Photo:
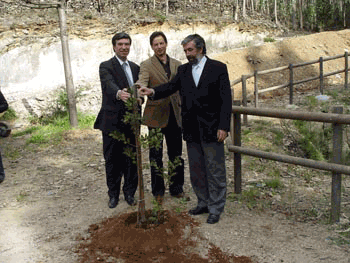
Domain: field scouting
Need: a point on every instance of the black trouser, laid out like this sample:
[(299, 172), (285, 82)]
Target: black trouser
[(119, 164), (2, 172), (173, 138)]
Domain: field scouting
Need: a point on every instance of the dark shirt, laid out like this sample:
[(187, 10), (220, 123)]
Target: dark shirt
[(166, 66), (3, 103)]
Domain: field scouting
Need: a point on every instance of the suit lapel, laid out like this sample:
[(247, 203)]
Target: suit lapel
[(190, 75), (159, 68), (205, 72), (119, 73), (133, 71), (173, 70)]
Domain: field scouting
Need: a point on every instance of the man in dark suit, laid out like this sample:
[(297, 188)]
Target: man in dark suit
[(164, 114), (116, 75), (205, 92), (3, 107)]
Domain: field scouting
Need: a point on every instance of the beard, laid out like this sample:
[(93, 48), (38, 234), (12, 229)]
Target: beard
[(192, 60)]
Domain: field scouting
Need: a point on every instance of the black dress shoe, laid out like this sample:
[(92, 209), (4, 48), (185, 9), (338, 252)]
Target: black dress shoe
[(130, 200), (212, 219), (113, 202), (198, 211)]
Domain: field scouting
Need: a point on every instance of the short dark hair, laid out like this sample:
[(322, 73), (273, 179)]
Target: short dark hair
[(157, 34), (198, 41), (119, 36)]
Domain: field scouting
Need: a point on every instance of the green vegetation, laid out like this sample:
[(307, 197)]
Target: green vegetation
[(9, 115), (343, 237), (21, 196), (269, 39), (49, 128), (12, 153), (88, 15), (274, 183), (301, 193), (160, 18)]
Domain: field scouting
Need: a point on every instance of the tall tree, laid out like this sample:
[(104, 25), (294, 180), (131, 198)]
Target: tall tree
[(60, 6), (275, 11), (166, 7), (244, 10)]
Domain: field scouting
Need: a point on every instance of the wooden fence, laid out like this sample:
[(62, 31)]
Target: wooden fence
[(336, 118), (291, 82)]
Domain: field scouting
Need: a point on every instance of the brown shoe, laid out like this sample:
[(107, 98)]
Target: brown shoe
[(182, 195), (159, 199)]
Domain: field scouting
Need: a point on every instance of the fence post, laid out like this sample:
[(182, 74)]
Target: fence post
[(291, 79), (336, 177), (321, 75), (346, 68), (237, 159), (244, 95), (256, 92)]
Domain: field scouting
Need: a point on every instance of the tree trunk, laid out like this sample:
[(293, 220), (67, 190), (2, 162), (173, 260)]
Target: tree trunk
[(73, 116), (294, 12), (236, 10), (344, 14), (301, 14), (276, 18), (166, 7), (244, 12)]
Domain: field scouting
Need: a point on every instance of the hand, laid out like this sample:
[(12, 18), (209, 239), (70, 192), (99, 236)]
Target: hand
[(140, 101), (124, 95), (144, 91), (222, 135)]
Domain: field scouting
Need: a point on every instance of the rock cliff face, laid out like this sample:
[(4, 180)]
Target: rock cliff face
[(38, 29)]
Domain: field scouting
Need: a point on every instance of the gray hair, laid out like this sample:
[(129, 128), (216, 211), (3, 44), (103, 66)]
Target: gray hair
[(198, 41)]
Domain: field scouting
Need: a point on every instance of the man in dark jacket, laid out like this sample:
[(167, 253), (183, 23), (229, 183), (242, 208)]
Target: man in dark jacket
[(3, 107), (116, 75), (206, 98)]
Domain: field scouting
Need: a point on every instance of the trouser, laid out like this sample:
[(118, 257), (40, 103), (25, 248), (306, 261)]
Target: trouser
[(173, 138), (208, 174), (119, 164)]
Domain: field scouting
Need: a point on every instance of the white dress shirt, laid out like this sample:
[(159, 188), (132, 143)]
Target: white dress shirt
[(197, 69)]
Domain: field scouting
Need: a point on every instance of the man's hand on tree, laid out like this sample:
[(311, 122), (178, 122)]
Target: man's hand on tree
[(144, 91), (124, 95)]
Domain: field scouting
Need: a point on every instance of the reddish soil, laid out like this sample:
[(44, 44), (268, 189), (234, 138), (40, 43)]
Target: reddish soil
[(161, 239)]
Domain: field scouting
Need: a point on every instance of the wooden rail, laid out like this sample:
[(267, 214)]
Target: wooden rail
[(291, 82), (336, 118)]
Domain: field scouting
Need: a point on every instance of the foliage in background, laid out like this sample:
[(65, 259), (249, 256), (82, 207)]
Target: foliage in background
[(314, 15)]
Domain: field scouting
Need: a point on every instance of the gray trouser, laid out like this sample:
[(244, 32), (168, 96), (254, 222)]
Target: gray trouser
[(208, 174)]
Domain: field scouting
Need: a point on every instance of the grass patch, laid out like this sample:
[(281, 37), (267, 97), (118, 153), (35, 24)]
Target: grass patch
[(50, 129), (269, 39), (274, 183), (9, 114), (22, 196), (249, 197), (12, 153), (28, 130)]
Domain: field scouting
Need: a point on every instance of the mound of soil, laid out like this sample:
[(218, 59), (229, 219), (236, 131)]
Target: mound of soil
[(166, 237)]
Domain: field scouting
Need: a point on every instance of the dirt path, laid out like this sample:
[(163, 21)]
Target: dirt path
[(52, 195)]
